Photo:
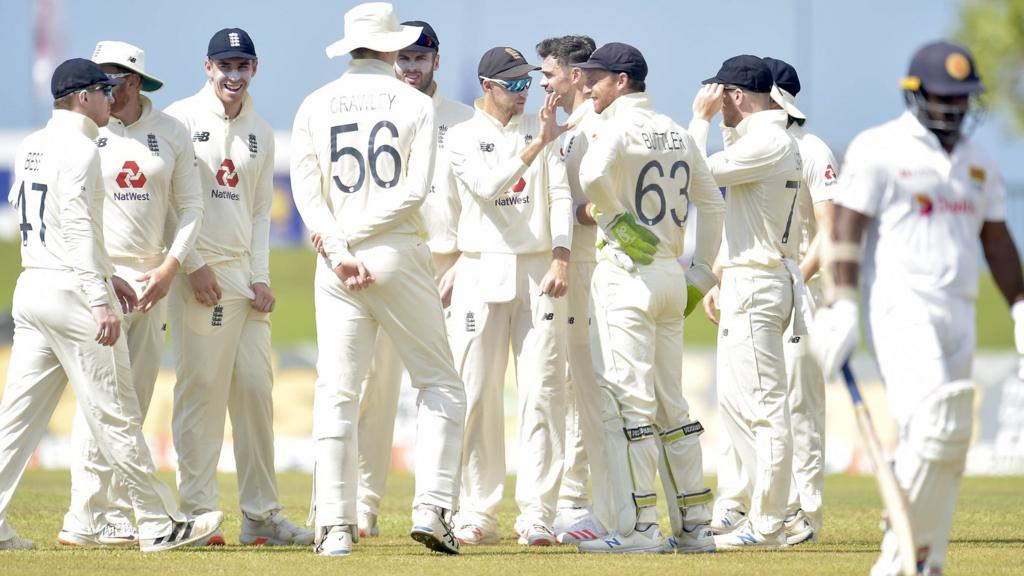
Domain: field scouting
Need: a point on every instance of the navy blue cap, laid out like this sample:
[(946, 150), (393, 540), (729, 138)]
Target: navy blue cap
[(745, 71), (944, 69), (504, 63), (784, 74), (78, 74), (231, 43), (618, 57), (427, 42)]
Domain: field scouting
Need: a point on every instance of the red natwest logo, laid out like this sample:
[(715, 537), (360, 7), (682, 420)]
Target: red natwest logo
[(520, 186), (130, 176), (227, 176), (830, 174)]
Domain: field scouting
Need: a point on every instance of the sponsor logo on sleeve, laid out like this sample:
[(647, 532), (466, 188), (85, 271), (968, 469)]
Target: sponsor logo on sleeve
[(830, 175)]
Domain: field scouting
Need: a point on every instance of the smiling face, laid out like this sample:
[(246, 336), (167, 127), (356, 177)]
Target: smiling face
[(602, 87), (416, 68), (556, 79), (230, 78), (506, 102)]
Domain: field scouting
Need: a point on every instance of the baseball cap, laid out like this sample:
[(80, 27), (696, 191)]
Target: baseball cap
[(944, 69), (78, 74), (231, 43), (373, 25), (131, 58), (503, 62), (427, 42), (618, 57), (788, 82), (746, 71)]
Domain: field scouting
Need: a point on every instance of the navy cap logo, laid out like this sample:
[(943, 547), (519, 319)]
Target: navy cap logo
[(233, 40)]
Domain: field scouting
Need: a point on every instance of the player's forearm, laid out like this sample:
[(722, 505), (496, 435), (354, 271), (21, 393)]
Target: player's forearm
[(846, 252), (1003, 260), (189, 222), (485, 182), (560, 215), (738, 165), (699, 129)]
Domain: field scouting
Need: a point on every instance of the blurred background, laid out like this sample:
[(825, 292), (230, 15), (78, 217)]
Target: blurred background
[(850, 57)]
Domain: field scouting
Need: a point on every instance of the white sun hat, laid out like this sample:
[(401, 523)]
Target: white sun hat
[(373, 25), (128, 57)]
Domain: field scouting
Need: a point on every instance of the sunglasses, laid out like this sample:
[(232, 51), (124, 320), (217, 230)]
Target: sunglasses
[(512, 85), (108, 91), (118, 75)]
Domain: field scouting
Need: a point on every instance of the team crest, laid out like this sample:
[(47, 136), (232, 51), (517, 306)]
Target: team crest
[(958, 66)]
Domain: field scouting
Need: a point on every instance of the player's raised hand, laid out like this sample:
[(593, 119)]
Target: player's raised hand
[(354, 274), (125, 294), (205, 286), (708, 101), (158, 283), (263, 300), (108, 325), (550, 129)]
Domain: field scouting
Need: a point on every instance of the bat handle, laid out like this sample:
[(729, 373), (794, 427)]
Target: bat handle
[(851, 383)]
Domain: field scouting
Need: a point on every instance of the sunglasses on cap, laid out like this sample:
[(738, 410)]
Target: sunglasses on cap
[(512, 85)]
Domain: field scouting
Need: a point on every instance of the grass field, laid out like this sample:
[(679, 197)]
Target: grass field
[(291, 271), (988, 538)]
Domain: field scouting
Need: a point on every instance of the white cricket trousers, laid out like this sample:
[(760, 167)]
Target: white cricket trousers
[(925, 349), (807, 421), (403, 302), (584, 436), (222, 360), (756, 305), (54, 344), (637, 337), (98, 497), (481, 332)]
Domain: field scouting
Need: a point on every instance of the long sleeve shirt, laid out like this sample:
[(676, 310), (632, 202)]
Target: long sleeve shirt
[(441, 208), (149, 168), (363, 158), (583, 124), (236, 171), (58, 194), (508, 207)]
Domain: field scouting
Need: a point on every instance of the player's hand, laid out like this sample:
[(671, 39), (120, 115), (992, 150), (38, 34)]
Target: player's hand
[(556, 281), (711, 305), (550, 129), (205, 286), (693, 298), (708, 101), (158, 283), (125, 294), (354, 274), (108, 324), (1017, 313), (834, 335), (264, 300), (634, 239), (445, 286), (318, 243)]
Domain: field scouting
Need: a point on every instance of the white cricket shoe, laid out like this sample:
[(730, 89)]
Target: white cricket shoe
[(119, 534), (799, 529), (649, 541), (16, 543), (747, 537), (276, 530), (432, 527), (575, 525), (694, 539), (194, 529), (473, 535), (336, 541), (728, 521), (368, 525), (537, 535)]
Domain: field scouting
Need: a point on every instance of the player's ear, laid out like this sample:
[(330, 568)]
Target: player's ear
[(437, 60), (254, 64), (208, 66)]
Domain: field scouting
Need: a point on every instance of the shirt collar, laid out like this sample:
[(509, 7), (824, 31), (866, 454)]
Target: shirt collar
[(764, 118), (909, 122), (75, 121), (627, 101), (370, 66), (147, 109), (580, 112)]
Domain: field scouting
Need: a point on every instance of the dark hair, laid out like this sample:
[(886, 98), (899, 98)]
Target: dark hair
[(567, 50), (636, 85)]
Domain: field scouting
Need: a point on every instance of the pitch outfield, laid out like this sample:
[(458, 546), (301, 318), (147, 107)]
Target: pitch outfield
[(987, 540)]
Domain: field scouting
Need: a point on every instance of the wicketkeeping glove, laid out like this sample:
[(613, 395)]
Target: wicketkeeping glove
[(834, 335), (634, 239)]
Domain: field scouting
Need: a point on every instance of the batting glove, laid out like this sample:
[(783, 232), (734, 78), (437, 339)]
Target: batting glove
[(1017, 313), (635, 240), (834, 335)]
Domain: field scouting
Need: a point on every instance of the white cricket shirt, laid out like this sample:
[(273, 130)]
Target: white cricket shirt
[(583, 123), (817, 185), (441, 207), (927, 206)]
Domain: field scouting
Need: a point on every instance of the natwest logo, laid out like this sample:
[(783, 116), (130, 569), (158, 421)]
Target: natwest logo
[(227, 176), (130, 176)]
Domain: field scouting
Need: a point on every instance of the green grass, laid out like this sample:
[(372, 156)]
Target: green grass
[(987, 539), (291, 271)]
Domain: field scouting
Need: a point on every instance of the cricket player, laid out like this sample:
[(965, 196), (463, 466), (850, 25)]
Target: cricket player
[(760, 289), (638, 308), (148, 171), (919, 193), (220, 307), (67, 317), (378, 404), (363, 149), (806, 384), (514, 232), (578, 517)]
